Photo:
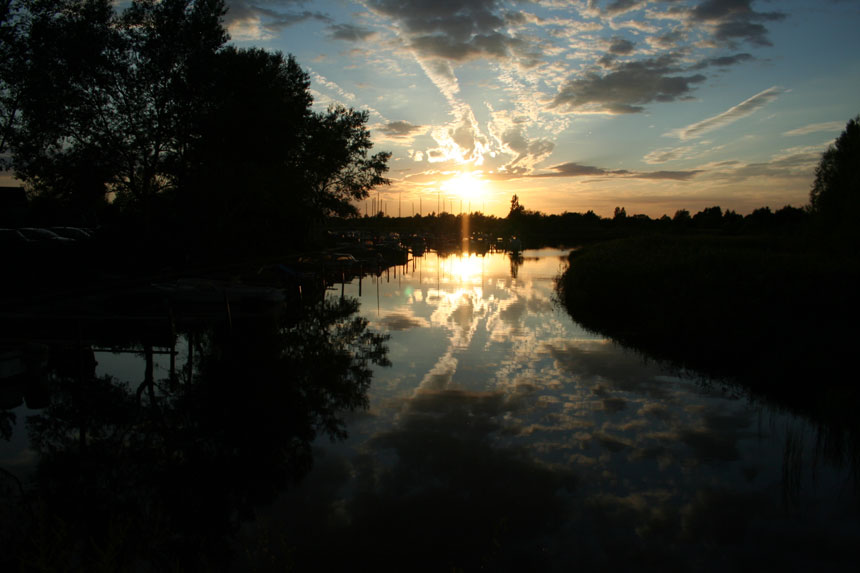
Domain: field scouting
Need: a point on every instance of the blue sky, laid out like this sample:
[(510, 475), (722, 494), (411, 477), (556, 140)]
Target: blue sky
[(652, 105)]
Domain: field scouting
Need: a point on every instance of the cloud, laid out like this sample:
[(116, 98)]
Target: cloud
[(724, 61), (319, 80), (461, 141), (672, 175), (402, 321), (614, 8), (450, 48), (816, 127), (694, 150), (527, 152), (442, 461), (349, 33), (717, 436), (734, 20), (731, 115), (621, 46), (262, 20), (627, 87), (669, 40), (400, 129), (666, 154), (455, 30), (578, 170), (796, 163)]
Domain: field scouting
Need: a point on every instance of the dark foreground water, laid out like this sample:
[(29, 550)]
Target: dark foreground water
[(501, 437)]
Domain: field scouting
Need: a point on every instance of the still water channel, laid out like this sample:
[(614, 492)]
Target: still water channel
[(505, 437)]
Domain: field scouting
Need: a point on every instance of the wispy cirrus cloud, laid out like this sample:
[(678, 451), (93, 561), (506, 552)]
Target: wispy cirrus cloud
[(816, 128), (731, 115), (798, 163), (694, 151)]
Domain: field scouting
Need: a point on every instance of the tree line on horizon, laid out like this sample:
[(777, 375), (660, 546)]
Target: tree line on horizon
[(147, 118), (537, 228), (829, 219)]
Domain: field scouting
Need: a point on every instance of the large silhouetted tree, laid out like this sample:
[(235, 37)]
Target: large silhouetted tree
[(10, 37), (265, 156), (242, 165), (835, 195), (151, 105), (56, 50), (108, 99)]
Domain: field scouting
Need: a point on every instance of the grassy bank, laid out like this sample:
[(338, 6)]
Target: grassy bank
[(767, 312)]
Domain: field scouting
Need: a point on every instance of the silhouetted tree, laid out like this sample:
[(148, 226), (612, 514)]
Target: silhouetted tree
[(790, 216), (243, 165), (682, 219), (835, 196), (265, 165), (59, 68), (732, 220), (167, 47), (709, 218), (335, 162), (10, 69), (516, 208), (151, 105), (106, 100)]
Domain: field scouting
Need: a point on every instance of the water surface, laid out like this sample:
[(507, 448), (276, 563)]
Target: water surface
[(502, 437)]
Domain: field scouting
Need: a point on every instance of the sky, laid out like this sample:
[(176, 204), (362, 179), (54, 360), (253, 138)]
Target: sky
[(577, 105), (580, 105)]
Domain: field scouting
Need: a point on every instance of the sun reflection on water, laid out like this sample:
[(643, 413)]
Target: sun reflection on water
[(485, 358), (464, 268)]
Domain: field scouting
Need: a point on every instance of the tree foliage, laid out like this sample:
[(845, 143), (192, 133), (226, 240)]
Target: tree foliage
[(9, 69), (153, 106), (516, 209), (835, 195), (337, 168)]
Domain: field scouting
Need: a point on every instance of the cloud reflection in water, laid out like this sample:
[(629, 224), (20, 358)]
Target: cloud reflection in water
[(515, 439)]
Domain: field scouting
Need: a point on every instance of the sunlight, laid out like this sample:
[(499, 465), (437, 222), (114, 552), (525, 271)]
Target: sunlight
[(466, 186), (468, 269)]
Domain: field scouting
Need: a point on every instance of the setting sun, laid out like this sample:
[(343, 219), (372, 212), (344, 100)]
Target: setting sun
[(466, 186)]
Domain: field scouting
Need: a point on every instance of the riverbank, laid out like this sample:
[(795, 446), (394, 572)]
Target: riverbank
[(767, 312)]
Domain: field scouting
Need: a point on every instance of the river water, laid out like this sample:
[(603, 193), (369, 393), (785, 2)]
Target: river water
[(502, 437), (505, 436)]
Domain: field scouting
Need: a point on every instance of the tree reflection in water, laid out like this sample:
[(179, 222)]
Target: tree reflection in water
[(159, 477)]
